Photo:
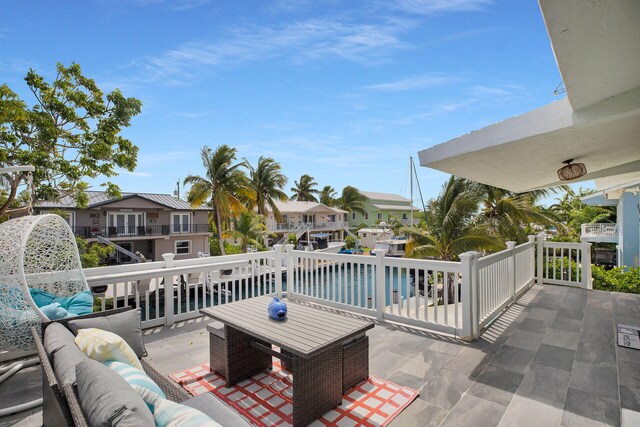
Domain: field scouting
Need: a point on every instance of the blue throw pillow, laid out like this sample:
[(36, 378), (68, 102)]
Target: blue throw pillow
[(76, 305), (139, 381), (54, 312)]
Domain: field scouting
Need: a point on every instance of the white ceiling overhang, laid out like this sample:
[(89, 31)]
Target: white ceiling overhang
[(597, 47)]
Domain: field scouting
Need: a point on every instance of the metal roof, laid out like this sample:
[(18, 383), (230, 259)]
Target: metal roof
[(394, 207), (297, 206), (100, 198), (384, 196)]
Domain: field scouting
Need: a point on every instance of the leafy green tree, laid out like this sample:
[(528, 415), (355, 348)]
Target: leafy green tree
[(508, 214), (92, 255), (71, 133), (328, 195), (451, 230), (349, 242), (352, 200), (249, 229), (221, 186), (573, 212), (304, 190), (266, 182)]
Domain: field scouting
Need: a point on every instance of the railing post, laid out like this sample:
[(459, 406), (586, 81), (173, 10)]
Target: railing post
[(540, 256), (168, 290), (470, 316), (277, 267), (532, 258), (511, 269), (586, 264), (380, 284), (289, 256)]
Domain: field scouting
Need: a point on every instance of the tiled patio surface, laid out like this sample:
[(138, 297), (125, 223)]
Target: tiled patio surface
[(550, 360)]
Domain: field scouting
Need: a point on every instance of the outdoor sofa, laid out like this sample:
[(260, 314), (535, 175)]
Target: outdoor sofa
[(62, 405)]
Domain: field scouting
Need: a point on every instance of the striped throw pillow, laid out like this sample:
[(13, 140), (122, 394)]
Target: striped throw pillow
[(104, 346), (139, 381), (172, 414)]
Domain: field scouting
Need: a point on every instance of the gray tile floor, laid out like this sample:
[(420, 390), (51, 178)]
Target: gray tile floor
[(549, 360)]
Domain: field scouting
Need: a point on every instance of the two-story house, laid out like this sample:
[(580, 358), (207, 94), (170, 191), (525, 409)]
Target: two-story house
[(151, 224), (383, 206), (625, 233), (307, 220)]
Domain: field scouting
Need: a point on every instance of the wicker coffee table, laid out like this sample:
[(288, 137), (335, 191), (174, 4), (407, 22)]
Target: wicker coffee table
[(313, 342)]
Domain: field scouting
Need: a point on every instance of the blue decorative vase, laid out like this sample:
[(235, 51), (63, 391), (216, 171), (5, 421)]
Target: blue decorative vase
[(277, 309)]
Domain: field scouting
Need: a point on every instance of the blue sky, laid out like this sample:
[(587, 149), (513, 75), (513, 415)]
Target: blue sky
[(345, 90)]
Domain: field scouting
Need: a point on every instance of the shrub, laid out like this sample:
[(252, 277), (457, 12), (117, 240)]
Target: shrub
[(291, 239), (349, 242), (617, 279), (561, 269)]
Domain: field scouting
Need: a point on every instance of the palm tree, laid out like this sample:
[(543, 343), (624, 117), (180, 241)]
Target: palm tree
[(248, 228), (506, 212), (266, 182), (451, 230), (328, 195), (303, 190), (221, 186), (352, 200)]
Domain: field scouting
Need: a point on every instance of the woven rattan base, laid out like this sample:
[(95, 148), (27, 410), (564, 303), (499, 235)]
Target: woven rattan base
[(355, 362)]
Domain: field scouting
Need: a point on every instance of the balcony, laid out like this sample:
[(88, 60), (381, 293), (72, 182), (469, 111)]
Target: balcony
[(140, 231), (312, 226), (600, 232)]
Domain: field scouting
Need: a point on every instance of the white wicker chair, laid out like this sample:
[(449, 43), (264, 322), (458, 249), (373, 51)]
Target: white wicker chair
[(35, 252)]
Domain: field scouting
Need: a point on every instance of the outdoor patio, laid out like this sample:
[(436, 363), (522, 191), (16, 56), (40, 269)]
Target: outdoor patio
[(551, 359)]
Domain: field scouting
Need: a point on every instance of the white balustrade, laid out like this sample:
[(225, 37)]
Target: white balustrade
[(599, 230), (460, 298)]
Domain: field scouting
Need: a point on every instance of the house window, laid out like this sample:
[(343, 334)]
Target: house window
[(285, 219), (353, 216), (366, 216), (404, 216), (183, 247), (181, 222), (379, 215), (332, 218)]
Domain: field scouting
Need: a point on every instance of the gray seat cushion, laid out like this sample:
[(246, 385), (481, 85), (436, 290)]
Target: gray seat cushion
[(210, 405), (65, 354), (126, 325), (106, 398), (216, 328)]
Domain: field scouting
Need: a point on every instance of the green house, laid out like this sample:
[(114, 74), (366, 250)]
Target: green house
[(381, 207)]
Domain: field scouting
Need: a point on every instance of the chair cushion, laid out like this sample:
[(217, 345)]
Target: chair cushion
[(216, 328), (210, 405), (139, 381), (104, 346), (60, 346), (126, 325), (107, 400), (75, 305), (172, 414)]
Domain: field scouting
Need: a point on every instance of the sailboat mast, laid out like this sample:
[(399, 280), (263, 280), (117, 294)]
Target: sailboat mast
[(411, 185)]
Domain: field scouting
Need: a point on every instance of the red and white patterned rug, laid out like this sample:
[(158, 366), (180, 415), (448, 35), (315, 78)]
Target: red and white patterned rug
[(265, 399)]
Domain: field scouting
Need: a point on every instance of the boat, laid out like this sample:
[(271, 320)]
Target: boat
[(394, 247)]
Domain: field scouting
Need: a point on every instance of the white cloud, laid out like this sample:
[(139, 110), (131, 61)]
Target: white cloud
[(138, 174), (420, 82), (314, 39), (426, 7)]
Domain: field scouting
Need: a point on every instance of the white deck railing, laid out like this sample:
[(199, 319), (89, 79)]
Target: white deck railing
[(460, 298), (599, 230)]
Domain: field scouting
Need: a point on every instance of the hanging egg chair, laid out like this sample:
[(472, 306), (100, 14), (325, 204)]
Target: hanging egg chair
[(40, 277)]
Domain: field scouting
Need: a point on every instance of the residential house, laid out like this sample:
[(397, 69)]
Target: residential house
[(304, 219), (152, 224), (381, 207), (625, 233)]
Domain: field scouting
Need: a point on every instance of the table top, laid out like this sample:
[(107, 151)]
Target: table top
[(305, 332)]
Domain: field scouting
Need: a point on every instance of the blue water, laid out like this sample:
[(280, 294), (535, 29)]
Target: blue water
[(341, 292)]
